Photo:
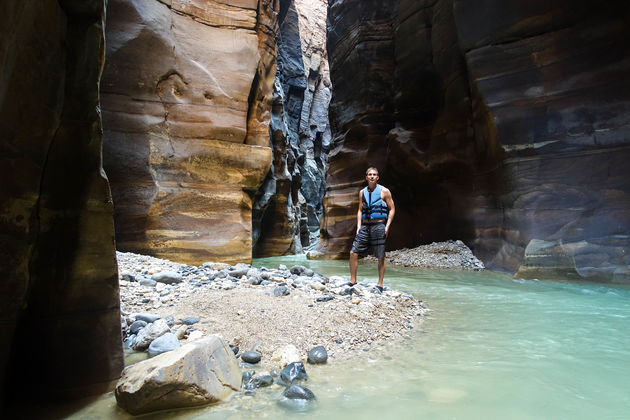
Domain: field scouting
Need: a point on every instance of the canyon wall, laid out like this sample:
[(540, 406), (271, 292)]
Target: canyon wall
[(288, 207), (59, 311), (187, 92), (502, 124)]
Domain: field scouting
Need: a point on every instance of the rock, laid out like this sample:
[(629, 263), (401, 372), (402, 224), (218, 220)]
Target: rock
[(238, 273), (191, 320), (297, 269), (308, 272), (147, 282), (167, 277), (324, 299), (317, 355), (164, 343), (137, 326), (150, 333), (251, 357), (280, 291), (315, 285), (235, 349), (195, 374), (180, 333), (215, 266), (148, 318), (128, 277), (195, 335), (293, 372), (297, 392), (285, 355)]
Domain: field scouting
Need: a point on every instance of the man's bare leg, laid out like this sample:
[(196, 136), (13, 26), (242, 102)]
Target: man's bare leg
[(381, 271), (354, 263)]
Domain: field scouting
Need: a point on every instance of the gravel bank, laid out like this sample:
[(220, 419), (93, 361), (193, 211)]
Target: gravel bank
[(437, 255), (265, 308)]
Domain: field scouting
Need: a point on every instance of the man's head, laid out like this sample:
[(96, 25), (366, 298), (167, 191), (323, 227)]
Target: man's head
[(371, 175)]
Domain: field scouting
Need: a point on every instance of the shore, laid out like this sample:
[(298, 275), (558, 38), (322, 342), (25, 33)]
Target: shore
[(447, 255), (265, 309)]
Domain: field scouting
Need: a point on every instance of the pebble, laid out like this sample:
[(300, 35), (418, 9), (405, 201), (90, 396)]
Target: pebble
[(251, 357)]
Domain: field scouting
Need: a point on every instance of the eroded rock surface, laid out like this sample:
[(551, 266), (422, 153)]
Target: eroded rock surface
[(187, 92)]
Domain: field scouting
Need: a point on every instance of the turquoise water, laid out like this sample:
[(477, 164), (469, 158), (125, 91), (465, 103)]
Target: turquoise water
[(491, 348)]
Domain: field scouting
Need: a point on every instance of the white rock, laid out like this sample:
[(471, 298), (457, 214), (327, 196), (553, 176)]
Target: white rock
[(285, 355), (198, 373), (195, 335)]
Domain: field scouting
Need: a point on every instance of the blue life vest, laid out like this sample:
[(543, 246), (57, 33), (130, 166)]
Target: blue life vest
[(372, 205)]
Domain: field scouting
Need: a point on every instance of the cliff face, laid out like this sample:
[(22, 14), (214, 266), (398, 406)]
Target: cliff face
[(503, 124), (187, 92), (289, 204), (59, 306), (553, 98)]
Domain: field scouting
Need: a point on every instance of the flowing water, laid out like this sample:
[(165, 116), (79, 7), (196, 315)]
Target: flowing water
[(491, 348)]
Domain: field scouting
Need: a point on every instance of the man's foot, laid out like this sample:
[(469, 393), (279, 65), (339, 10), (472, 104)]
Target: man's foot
[(379, 288), (350, 284)]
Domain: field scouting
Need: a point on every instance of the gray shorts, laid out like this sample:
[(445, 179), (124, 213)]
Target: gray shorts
[(371, 237)]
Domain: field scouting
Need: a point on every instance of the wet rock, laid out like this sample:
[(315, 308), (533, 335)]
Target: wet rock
[(293, 372), (235, 349), (251, 357), (195, 374), (297, 392), (167, 277), (164, 343), (317, 355)]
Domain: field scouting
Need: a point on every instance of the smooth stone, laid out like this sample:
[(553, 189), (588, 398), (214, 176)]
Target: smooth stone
[(148, 318), (317, 355), (297, 392), (147, 282), (164, 343), (150, 333), (137, 326), (308, 272), (128, 277), (195, 335), (251, 357), (238, 273), (168, 277), (280, 291), (191, 320), (324, 299), (297, 269), (293, 372), (235, 349)]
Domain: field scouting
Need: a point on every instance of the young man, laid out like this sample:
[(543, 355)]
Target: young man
[(375, 215)]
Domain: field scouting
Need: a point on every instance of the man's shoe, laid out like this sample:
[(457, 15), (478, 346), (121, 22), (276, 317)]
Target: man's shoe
[(350, 284), (379, 288)]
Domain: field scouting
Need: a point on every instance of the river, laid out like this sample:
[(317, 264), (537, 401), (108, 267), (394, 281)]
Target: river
[(491, 348)]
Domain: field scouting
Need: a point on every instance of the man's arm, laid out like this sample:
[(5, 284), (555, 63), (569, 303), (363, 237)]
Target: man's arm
[(387, 196), (359, 212)]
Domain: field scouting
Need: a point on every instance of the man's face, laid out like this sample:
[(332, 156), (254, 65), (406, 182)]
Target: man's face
[(372, 176)]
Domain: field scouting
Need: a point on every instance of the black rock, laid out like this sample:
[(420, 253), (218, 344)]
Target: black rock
[(317, 355), (191, 320), (234, 349), (339, 341), (137, 326), (324, 299), (297, 392), (293, 372), (254, 382), (247, 375), (148, 318), (251, 357)]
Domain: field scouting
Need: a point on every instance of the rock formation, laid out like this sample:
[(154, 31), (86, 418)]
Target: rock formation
[(187, 92), (59, 305), (289, 204), (503, 126)]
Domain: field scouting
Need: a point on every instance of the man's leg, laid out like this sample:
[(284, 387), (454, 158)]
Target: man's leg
[(381, 271), (354, 263)]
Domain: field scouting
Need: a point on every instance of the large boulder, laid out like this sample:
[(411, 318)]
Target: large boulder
[(195, 374)]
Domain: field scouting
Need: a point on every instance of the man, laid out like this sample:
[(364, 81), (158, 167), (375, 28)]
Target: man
[(375, 215)]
